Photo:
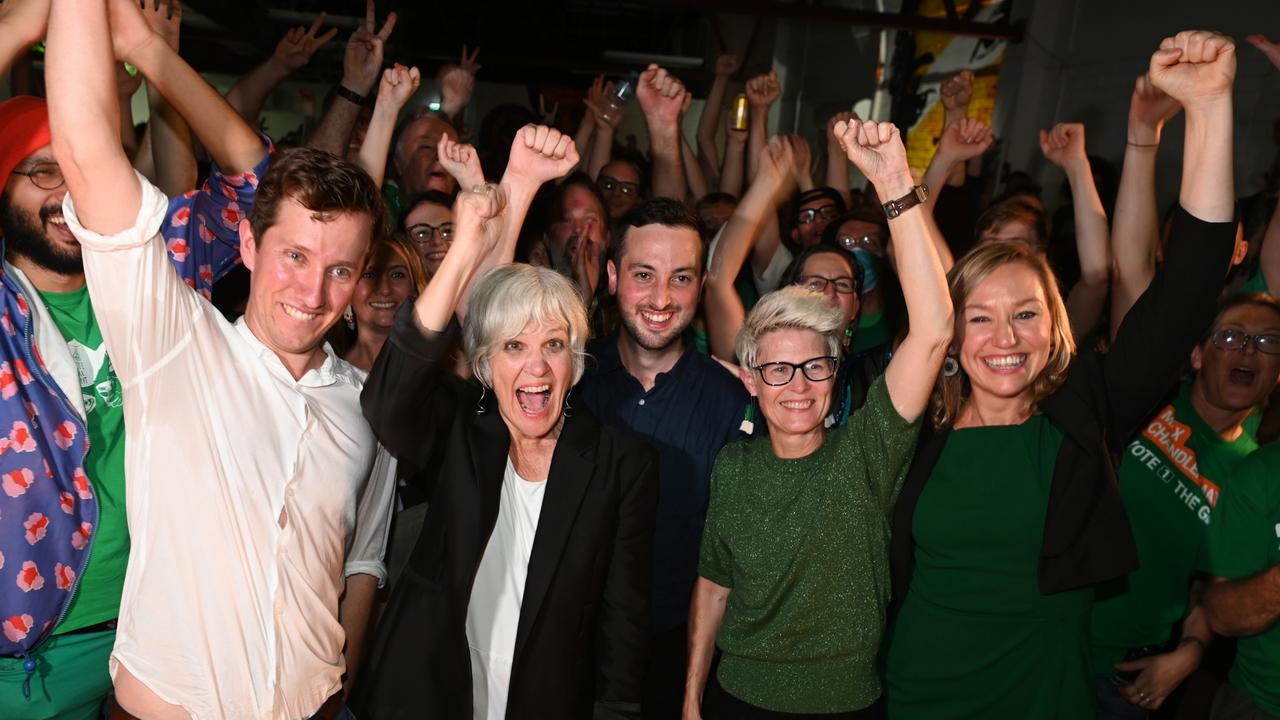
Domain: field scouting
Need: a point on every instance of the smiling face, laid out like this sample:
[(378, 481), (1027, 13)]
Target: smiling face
[(304, 274), (383, 287), (657, 281), (1237, 380), (432, 250), (832, 268), (416, 162), (1005, 333), (31, 217), (619, 182), (799, 407), (531, 374)]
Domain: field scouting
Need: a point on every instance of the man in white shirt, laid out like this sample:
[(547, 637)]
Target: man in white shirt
[(257, 527)]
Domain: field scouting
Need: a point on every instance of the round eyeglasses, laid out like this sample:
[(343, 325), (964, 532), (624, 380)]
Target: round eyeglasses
[(46, 176)]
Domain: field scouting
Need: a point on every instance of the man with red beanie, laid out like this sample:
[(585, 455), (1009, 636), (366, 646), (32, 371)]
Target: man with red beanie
[(61, 417)]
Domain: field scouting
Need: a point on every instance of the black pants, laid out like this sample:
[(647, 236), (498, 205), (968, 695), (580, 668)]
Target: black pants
[(720, 705)]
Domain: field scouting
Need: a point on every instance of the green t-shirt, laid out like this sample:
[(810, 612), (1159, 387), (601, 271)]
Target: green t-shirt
[(1171, 477), (873, 331), (1245, 540), (1257, 283), (804, 546), (98, 593)]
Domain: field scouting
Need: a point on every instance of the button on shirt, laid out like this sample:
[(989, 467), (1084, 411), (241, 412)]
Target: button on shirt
[(250, 495), (693, 410)]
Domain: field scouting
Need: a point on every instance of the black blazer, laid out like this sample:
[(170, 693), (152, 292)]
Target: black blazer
[(581, 641), (1106, 397)]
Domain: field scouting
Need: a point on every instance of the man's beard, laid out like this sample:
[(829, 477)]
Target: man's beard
[(632, 324), (25, 236)]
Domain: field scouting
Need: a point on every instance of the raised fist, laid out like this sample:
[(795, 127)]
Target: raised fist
[(1194, 67), (965, 139), (845, 117), (876, 149), (776, 169), (727, 64), (476, 214), (660, 95), (1064, 145), (957, 91), (461, 161), (539, 154), (399, 83), (1150, 106), (802, 160), (764, 90)]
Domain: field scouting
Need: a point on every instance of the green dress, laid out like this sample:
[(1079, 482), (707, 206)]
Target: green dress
[(975, 638)]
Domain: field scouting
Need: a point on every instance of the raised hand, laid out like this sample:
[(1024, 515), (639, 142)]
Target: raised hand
[(845, 117), (584, 254), (477, 225), (1268, 48), (776, 171), (876, 149), (130, 31), (1150, 107), (25, 19), (399, 83), (965, 139), (597, 102), (363, 57), (957, 91), (538, 154), (801, 161), (298, 45), (764, 90), (1063, 145), (1195, 67), (458, 82), (165, 19), (660, 95), (461, 161), (727, 64)]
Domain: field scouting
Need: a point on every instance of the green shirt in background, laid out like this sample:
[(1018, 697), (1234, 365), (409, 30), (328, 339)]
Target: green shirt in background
[(1170, 478), (98, 593), (1244, 540), (873, 331), (803, 544)]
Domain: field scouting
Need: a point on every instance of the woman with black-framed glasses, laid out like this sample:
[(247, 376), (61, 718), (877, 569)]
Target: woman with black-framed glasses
[(794, 570)]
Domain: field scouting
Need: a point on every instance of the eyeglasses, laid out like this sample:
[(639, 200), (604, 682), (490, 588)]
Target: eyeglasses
[(874, 243), (46, 176), (815, 369), (609, 184), (1237, 339), (818, 284), (811, 215), (422, 233)]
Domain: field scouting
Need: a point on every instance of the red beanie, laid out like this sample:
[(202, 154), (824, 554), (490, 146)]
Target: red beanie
[(24, 129)]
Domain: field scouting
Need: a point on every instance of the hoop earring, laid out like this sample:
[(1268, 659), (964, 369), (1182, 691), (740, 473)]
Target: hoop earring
[(950, 366), (567, 410), (480, 402)]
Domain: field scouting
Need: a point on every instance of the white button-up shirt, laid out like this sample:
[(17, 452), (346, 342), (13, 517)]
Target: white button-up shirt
[(226, 613)]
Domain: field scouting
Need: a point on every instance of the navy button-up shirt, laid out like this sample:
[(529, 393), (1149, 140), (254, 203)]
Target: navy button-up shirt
[(692, 411)]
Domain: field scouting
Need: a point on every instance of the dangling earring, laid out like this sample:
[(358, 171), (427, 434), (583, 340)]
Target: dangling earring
[(349, 317), (567, 411), (848, 337), (950, 366), (480, 402)]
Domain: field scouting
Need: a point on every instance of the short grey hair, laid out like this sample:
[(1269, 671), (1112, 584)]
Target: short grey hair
[(510, 297), (792, 307)]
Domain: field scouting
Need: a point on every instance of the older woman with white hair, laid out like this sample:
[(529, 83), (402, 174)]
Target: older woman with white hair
[(794, 573), (526, 594)]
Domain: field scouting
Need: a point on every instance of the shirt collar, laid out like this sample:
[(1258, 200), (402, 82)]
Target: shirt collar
[(608, 359), (322, 376)]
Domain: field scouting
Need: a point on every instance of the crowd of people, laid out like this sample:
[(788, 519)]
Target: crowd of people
[(515, 421)]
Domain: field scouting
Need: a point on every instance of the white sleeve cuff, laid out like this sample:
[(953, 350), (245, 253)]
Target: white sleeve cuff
[(376, 569), (146, 226)]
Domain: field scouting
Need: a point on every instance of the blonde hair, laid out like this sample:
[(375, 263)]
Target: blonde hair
[(791, 307), (510, 298), (951, 392)]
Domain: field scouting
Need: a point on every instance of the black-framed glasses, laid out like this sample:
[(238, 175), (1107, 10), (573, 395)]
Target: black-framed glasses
[(819, 283), (815, 369), (46, 176), (872, 243), (422, 233), (1230, 339), (811, 215), (608, 183)]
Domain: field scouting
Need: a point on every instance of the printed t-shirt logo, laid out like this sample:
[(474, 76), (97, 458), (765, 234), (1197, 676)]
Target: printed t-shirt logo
[(1171, 436)]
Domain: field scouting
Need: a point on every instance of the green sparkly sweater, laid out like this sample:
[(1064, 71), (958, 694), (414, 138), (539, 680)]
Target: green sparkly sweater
[(803, 544)]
